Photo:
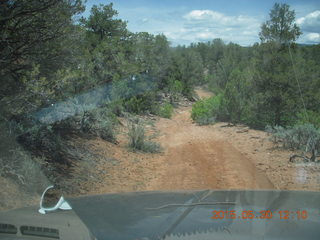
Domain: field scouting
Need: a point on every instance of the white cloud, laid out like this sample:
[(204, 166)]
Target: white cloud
[(183, 27), (203, 15), (205, 25), (310, 22), (209, 16), (310, 26), (309, 38), (315, 37)]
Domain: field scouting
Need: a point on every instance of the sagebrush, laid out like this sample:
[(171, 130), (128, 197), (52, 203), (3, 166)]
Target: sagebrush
[(305, 138), (138, 140)]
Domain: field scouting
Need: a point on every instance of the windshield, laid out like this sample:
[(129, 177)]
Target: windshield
[(99, 97)]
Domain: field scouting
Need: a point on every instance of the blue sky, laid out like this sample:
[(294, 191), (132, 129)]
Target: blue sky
[(186, 21)]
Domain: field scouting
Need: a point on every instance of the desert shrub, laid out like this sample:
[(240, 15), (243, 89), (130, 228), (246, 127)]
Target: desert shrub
[(207, 110), (117, 108), (24, 169), (151, 147), (105, 129), (51, 142), (144, 103), (136, 136), (300, 137), (138, 140), (175, 89), (309, 117), (165, 110), (135, 105), (100, 122), (44, 140)]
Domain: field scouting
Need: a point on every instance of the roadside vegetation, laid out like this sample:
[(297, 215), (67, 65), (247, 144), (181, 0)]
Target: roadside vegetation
[(207, 111), (166, 110), (275, 83), (75, 76), (138, 141), (305, 138)]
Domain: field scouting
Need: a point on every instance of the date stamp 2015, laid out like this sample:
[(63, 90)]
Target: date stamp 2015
[(265, 214)]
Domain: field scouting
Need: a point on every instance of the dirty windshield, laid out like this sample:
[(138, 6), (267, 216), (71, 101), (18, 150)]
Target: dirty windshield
[(101, 97)]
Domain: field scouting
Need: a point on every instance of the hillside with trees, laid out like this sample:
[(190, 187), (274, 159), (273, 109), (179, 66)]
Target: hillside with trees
[(273, 85)]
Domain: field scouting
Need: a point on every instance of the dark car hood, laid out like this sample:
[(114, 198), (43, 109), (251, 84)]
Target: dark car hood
[(188, 215)]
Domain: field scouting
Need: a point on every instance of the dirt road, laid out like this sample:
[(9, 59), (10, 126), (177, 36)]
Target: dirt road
[(197, 158)]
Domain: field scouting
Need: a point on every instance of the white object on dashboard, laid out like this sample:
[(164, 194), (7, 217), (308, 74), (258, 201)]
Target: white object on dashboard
[(61, 204)]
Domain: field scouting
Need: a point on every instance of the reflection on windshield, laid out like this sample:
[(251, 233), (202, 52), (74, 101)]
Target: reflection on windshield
[(210, 100)]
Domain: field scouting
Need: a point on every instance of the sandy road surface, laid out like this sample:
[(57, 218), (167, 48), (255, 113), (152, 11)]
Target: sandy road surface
[(197, 158)]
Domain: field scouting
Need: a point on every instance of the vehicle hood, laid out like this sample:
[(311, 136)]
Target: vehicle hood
[(188, 215)]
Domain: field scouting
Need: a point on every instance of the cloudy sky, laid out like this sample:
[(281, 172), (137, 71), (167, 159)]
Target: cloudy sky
[(186, 21)]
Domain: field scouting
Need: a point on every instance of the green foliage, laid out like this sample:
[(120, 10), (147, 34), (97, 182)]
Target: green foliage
[(138, 140), (135, 105), (28, 27), (281, 27), (236, 96), (300, 137), (206, 111), (101, 22), (192, 72), (49, 141), (165, 110), (99, 122), (275, 80), (308, 117), (46, 141), (136, 95), (187, 68), (175, 90), (141, 104), (152, 53), (269, 83)]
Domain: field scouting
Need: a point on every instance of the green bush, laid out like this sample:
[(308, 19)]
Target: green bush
[(137, 139), (143, 103), (117, 108), (309, 117), (135, 105), (300, 137), (99, 122), (206, 111), (175, 89), (165, 111)]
